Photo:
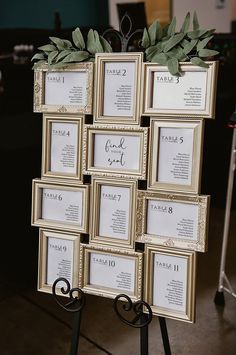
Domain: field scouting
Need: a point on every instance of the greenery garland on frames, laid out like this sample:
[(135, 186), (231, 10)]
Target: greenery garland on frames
[(161, 45)]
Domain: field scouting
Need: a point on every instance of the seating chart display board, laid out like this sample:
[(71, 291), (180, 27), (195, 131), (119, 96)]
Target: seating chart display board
[(118, 204)]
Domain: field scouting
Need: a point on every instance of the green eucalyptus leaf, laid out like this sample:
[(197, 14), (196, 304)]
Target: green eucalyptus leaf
[(198, 61), (58, 42), (207, 53), (78, 38), (189, 47), (38, 56), (52, 56), (196, 34), (93, 42), (155, 32), (165, 30), (173, 66), (48, 48), (186, 23), (171, 27), (98, 43), (105, 45), (202, 44), (39, 64), (151, 51), (63, 54), (160, 58), (173, 41), (79, 56), (208, 33), (195, 21), (145, 39), (184, 42), (177, 53)]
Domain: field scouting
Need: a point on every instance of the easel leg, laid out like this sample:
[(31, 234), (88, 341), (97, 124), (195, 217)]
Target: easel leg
[(164, 335), (144, 336), (75, 333)]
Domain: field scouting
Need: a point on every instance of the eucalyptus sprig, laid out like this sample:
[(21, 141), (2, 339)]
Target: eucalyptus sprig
[(60, 52), (168, 47)]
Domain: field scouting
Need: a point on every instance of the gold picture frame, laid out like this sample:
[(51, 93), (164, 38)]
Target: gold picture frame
[(117, 88), (173, 220), (170, 278), (60, 205), (115, 151), (113, 212), (58, 257), (190, 95), (58, 91), (175, 155), (100, 275), (62, 153)]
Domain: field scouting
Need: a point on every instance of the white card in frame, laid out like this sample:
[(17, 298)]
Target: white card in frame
[(170, 278), (175, 157), (58, 257), (117, 87), (60, 206), (65, 90), (113, 212), (173, 220), (107, 271), (192, 94), (62, 140), (116, 151)]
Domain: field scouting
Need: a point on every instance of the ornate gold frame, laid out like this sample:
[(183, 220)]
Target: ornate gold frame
[(171, 241), (39, 89), (95, 212), (209, 112), (88, 150), (156, 125), (191, 256), (36, 219), (48, 119), (86, 250), (43, 253), (100, 60)]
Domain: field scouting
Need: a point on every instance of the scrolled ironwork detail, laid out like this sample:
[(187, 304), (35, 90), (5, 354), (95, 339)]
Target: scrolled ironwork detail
[(139, 321), (76, 303), (123, 36)]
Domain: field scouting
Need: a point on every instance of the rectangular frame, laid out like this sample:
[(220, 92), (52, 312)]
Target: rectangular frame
[(110, 292), (69, 211), (174, 287), (191, 94), (116, 156), (122, 58), (44, 234), (39, 89), (186, 227), (179, 169), (118, 219), (48, 120)]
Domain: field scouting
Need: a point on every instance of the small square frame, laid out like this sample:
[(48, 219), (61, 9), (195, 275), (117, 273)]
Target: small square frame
[(202, 203), (90, 132), (40, 84), (48, 121), (97, 184), (154, 146), (36, 217), (101, 59), (189, 95), (44, 234), (109, 292), (188, 315)]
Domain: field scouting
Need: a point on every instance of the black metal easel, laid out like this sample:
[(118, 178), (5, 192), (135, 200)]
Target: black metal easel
[(75, 305), (141, 320)]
